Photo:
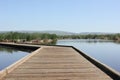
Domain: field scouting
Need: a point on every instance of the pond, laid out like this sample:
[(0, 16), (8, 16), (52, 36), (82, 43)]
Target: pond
[(9, 56), (107, 52)]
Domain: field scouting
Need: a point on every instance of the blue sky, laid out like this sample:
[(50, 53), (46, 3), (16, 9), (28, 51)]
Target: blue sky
[(63, 15)]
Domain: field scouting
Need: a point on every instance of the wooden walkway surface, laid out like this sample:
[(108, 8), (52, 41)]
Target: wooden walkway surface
[(57, 63)]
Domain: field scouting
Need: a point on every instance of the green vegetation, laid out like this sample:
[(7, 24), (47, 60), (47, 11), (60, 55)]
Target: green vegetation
[(36, 38), (114, 37), (45, 38)]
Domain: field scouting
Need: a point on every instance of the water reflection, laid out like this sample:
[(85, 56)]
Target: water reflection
[(85, 40), (12, 50), (10, 55), (7, 50)]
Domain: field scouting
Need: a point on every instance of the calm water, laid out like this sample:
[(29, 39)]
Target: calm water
[(104, 51), (9, 55)]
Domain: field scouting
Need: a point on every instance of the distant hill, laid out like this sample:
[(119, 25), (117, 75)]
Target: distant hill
[(94, 33), (60, 32), (50, 32)]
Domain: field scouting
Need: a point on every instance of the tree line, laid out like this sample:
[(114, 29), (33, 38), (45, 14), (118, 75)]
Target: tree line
[(115, 37), (13, 36)]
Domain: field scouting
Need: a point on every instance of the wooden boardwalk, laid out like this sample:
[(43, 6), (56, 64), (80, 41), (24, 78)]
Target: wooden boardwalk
[(57, 63)]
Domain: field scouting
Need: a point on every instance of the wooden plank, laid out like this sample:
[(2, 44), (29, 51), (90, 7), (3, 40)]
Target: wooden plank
[(54, 66), (57, 63), (56, 78)]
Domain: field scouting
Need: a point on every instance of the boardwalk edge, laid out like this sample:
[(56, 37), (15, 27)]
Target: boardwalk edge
[(109, 71), (10, 68)]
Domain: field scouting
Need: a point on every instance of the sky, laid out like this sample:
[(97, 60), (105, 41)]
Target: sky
[(64, 15)]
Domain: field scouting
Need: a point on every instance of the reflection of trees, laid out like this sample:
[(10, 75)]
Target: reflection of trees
[(117, 42), (6, 49), (96, 40), (11, 50)]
